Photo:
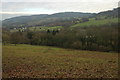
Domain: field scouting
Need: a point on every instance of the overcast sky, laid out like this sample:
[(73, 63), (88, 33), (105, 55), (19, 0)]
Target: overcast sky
[(12, 8)]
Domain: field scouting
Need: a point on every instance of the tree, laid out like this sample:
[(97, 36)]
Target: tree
[(5, 38), (48, 31), (15, 38)]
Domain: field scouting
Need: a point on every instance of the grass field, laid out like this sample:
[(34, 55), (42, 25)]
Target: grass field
[(40, 28), (43, 28), (50, 62), (96, 22)]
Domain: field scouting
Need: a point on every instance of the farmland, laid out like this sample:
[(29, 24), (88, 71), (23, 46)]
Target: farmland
[(39, 28), (94, 22), (43, 28), (91, 22), (52, 62), (61, 45)]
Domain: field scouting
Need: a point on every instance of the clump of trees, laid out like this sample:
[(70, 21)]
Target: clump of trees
[(103, 38)]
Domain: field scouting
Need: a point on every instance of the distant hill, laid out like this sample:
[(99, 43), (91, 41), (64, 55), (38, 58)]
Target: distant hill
[(57, 19), (44, 19), (71, 14), (110, 13), (21, 20)]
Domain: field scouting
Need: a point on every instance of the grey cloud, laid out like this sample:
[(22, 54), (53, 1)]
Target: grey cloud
[(55, 7), (59, 6), (60, 0)]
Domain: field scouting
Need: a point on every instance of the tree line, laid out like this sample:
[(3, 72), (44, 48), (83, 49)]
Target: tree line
[(103, 38)]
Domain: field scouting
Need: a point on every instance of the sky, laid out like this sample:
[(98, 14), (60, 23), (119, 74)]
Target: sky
[(13, 8)]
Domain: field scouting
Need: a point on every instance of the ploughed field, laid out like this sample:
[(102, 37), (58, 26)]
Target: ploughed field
[(25, 61)]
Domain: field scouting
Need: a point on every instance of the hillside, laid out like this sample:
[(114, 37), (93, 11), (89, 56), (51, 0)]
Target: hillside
[(44, 19), (110, 13), (96, 23), (27, 61), (65, 19)]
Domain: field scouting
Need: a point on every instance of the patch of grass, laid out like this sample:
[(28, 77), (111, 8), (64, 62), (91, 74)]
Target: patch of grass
[(93, 22), (44, 28), (51, 62), (40, 28)]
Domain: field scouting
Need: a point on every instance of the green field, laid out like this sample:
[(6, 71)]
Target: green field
[(40, 28), (51, 62), (44, 28), (94, 22)]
